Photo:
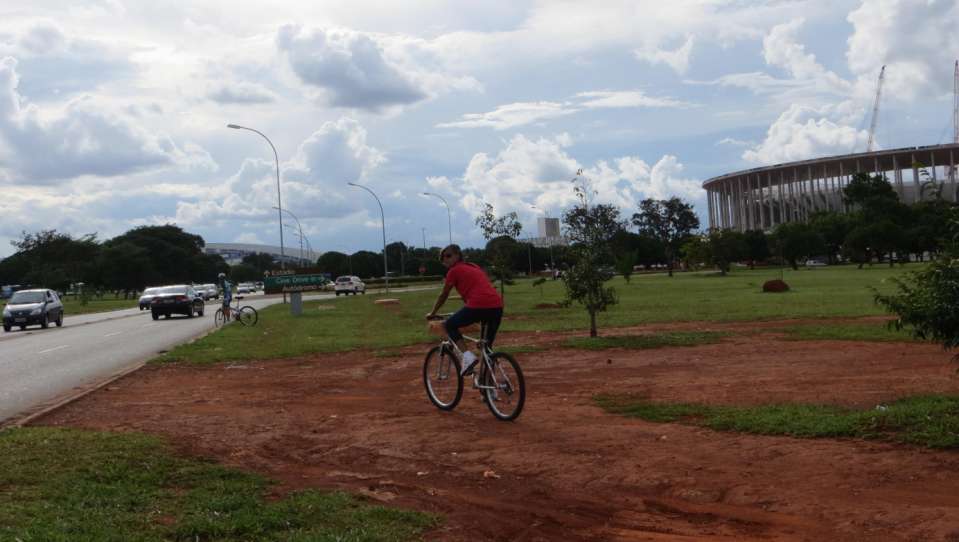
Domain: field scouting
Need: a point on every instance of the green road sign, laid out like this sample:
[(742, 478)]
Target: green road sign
[(282, 284)]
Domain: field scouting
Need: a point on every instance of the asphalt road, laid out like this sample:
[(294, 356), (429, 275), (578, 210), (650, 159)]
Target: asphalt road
[(41, 366)]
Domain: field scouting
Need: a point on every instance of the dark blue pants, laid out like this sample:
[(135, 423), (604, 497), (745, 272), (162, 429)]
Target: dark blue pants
[(466, 316)]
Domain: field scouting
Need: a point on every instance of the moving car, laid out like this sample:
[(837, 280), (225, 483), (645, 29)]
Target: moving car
[(33, 307), (147, 297), (179, 299), (208, 291), (349, 285)]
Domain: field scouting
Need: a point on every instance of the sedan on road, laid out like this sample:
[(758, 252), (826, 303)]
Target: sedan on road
[(179, 299), (147, 297), (33, 307)]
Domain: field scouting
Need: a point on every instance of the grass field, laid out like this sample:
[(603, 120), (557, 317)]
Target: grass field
[(927, 420), (73, 306), (355, 322), (63, 484)]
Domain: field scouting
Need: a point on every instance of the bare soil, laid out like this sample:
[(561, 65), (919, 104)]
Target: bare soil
[(566, 470)]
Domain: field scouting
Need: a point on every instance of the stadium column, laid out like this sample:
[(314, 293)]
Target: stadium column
[(826, 190), (915, 179), (812, 194), (842, 204), (932, 160), (762, 202), (793, 189), (895, 176), (952, 175), (782, 201)]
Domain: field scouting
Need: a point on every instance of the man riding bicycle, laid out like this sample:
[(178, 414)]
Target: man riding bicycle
[(227, 294), (482, 303)]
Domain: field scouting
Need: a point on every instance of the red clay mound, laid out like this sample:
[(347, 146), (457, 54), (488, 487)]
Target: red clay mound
[(775, 286)]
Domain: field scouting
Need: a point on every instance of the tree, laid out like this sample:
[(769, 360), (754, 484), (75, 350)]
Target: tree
[(796, 241), (625, 263), (172, 252), (261, 261), (334, 263), (590, 229), (500, 254), (670, 221), (832, 228), (367, 264), (718, 248), (756, 247), (54, 260)]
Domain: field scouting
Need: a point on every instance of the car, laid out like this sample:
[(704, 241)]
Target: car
[(177, 299), (208, 291), (33, 307), (348, 284), (245, 288), (816, 262), (147, 297)]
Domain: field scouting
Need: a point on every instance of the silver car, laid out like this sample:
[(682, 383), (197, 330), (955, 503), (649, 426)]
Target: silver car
[(33, 307)]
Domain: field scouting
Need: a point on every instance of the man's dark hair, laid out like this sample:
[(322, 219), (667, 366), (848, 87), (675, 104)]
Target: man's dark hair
[(451, 249)]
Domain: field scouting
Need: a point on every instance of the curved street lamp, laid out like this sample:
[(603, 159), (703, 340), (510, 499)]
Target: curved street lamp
[(303, 236), (449, 214), (279, 201), (386, 272)]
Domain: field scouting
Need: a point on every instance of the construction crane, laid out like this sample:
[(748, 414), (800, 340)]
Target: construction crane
[(875, 111)]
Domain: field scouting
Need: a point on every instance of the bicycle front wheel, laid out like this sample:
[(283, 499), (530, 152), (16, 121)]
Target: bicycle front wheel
[(441, 376), (248, 316), (219, 319), (503, 386)]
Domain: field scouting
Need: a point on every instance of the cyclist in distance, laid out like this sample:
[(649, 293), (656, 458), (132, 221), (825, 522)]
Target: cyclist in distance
[(227, 295), (482, 303)]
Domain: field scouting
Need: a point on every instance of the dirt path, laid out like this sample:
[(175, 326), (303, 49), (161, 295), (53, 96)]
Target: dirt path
[(565, 470)]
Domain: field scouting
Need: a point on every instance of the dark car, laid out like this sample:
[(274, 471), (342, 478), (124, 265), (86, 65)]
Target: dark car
[(180, 299), (33, 307)]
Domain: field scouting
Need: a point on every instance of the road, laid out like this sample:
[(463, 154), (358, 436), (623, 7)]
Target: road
[(41, 366)]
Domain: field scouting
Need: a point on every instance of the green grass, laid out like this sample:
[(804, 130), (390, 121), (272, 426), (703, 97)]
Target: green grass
[(643, 342), (924, 420), (874, 332), (74, 485), (355, 322), (74, 307)]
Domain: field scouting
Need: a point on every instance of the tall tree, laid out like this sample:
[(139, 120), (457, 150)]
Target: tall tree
[(590, 229), (500, 254), (796, 241), (670, 221)]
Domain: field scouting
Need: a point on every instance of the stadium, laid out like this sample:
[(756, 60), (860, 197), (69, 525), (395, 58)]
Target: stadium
[(764, 197), (233, 253)]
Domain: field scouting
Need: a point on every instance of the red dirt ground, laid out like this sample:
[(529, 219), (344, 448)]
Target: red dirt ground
[(566, 470)]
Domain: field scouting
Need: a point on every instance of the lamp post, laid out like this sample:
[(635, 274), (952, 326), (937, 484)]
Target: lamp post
[(449, 214), (302, 235), (386, 271), (299, 235), (279, 201)]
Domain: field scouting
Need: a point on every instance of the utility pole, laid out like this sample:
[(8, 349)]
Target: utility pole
[(875, 111), (955, 105)]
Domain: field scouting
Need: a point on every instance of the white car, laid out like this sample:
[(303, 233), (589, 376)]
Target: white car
[(245, 288), (349, 285)]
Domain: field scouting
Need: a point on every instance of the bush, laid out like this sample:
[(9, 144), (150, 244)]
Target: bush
[(775, 286)]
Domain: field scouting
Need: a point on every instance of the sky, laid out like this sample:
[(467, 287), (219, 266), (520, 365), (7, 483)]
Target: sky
[(114, 113)]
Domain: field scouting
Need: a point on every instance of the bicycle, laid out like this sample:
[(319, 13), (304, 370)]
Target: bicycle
[(246, 315), (496, 375)]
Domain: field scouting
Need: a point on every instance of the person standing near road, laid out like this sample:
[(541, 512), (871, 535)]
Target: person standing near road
[(227, 289), (482, 303)]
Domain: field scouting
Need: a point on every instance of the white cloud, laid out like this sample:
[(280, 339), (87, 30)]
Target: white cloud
[(735, 142), (241, 93), (917, 41), (677, 59), (511, 116), (625, 98), (803, 132), (365, 71), (249, 238), (539, 172), (84, 138)]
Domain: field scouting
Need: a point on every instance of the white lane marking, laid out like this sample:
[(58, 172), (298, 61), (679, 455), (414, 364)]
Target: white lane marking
[(112, 334), (61, 347)]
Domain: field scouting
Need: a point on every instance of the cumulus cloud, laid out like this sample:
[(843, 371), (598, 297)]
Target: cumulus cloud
[(735, 142), (803, 132), (313, 181), (626, 98), (365, 71), (917, 41), (538, 172), (677, 59), (241, 93), (84, 138)]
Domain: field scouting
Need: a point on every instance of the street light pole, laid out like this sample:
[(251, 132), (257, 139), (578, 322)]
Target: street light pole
[(279, 201), (386, 271), (302, 235), (449, 214)]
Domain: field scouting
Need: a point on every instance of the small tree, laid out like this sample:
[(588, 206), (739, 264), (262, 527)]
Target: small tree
[(796, 241), (670, 221), (718, 248), (625, 263), (500, 253), (590, 229)]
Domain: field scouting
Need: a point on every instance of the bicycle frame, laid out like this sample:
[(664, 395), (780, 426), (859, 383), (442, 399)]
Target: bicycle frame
[(485, 352)]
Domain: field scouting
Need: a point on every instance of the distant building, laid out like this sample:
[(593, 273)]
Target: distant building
[(549, 233), (234, 253)]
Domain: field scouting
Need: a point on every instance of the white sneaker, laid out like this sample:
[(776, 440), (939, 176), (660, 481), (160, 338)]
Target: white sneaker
[(469, 359)]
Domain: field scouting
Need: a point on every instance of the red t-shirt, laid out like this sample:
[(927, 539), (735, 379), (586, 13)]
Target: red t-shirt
[(471, 283)]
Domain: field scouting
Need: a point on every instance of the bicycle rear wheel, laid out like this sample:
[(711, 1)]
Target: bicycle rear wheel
[(219, 319), (441, 376), (504, 386), (248, 316)]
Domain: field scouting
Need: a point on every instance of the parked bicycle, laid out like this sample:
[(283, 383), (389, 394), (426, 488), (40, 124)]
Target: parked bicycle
[(246, 314), (496, 375)]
